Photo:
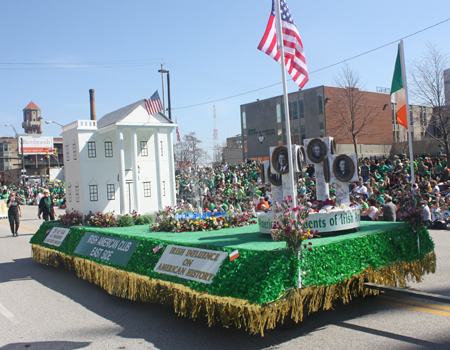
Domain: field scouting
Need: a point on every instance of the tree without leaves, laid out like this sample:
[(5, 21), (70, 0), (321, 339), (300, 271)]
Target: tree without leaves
[(188, 150), (427, 88), (351, 111)]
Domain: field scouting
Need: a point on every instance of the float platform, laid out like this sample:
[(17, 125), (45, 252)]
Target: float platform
[(255, 291)]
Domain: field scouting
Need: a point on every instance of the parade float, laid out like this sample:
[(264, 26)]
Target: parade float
[(228, 269)]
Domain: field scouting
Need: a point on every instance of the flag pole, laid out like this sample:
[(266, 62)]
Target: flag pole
[(411, 154), (286, 104)]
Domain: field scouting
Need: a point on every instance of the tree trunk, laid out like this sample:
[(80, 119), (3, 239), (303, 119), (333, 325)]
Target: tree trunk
[(355, 144)]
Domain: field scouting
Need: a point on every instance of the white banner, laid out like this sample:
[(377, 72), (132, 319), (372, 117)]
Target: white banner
[(56, 236), (190, 263), (3, 209), (36, 145)]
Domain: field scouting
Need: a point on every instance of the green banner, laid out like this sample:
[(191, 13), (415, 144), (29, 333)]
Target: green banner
[(114, 250)]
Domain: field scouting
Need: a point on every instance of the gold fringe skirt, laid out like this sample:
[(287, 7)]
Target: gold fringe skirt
[(295, 304)]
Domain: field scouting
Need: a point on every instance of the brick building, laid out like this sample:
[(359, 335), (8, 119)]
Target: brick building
[(323, 111)]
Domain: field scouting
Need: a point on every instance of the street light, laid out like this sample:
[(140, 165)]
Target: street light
[(162, 71), (50, 122), (17, 134)]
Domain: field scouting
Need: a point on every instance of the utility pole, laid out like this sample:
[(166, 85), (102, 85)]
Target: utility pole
[(162, 71), (23, 161)]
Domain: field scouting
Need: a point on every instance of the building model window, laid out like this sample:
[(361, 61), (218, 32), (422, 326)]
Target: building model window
[(69, 193), (92, 153), (108, 149), (161, 148), (164, 188), (111, 192), (144, 149), (77, 193), (147, 189), (74, 149), (67, 152), (93, 193)]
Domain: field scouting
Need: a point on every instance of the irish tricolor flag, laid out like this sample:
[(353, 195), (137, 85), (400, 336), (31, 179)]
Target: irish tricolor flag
[(398, 92)]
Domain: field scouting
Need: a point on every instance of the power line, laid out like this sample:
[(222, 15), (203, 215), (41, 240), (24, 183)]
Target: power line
[(320, 69)]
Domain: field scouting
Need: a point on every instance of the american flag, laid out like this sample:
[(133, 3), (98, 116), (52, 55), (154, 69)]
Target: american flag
[(294, 54), (158, 247), (154, 105), (178, 135)]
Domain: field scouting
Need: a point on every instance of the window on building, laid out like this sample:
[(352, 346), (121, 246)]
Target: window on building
[(111, 192), (74, 149), (320, 104), (77, 193), (69, 193), (108, 149), (67, 153), (278, 113), (244, 121), (293, 112), (92, 152), (164, 188), (144, 149), (93, 193), (301, 108), (147, 189)]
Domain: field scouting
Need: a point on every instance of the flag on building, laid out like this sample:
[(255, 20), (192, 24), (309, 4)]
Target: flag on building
[(294, 54), (234, 255), (178, 135), (398, 93), (153, 104)]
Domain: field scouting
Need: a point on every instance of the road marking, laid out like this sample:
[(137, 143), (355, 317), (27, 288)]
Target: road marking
[(20, 227), (434, 306), (4, 311), (414, 308)]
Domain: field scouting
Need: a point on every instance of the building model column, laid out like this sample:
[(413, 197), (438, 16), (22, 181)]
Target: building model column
[(173, 191), (135, 172), (121, 170), (159, 186)]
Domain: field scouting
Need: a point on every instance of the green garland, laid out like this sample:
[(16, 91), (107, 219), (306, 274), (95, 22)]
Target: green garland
[(332, 263), (256, 276), (263, 276)]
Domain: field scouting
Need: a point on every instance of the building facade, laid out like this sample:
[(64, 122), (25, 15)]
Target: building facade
[(123, 162), (32, 120), (232, 153), (324, 111), (14, 158)]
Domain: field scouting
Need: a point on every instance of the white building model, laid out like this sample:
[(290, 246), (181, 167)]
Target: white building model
[(122, 162)]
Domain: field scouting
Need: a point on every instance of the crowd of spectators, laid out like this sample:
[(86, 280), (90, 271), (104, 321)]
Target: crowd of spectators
[(381, 183), (227, 187), (31, 194)]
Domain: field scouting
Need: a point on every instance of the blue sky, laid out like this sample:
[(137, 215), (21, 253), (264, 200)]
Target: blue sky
[(209, 47)]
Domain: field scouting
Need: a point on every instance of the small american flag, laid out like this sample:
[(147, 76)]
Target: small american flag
[(178, 135), (158, 247), (294, 60), (154, 105), (234, 255)]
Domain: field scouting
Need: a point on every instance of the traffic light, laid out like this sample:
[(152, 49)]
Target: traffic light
[(47, 153), (55, 152)]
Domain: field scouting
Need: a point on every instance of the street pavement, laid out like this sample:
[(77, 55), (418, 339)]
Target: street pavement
[(43, 307)]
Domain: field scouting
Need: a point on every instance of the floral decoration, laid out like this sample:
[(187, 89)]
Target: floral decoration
[(71, 219), (100, 219), (167, 221), (290, 225), (409, 209)]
